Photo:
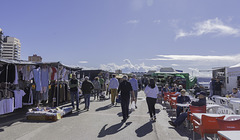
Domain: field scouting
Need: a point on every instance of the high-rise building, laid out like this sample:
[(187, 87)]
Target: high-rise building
[(11, 48), (35, 58)]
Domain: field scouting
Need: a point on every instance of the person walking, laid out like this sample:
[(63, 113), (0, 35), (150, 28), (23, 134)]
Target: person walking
[(73, 84), (87, 88), (125, 89), (97, 87), (151, 92), (113, 87), (134, 84)]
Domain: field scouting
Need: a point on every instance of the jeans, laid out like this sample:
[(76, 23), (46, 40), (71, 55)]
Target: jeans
[(125, 108), (75, 93), (180, 119), (151, 106), (87, 100), (179, 110)]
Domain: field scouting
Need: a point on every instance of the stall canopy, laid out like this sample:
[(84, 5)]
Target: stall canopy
[(24, 62), (189, 81)]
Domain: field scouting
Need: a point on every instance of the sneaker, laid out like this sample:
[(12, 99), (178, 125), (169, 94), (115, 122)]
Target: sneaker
[(135, 107), (124, 120), (172, 124), (78, 109), (154, 118), (151, 119)]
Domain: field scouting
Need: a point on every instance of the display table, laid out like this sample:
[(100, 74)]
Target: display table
[(199, 115), (6, 106), (47, 113), (229, 135)]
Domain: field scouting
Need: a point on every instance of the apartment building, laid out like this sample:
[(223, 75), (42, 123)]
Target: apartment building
[(11, 48)]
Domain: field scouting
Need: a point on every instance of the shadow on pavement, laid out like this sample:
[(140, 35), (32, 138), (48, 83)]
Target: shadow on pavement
[(1, 130), (184, 132), (120, 113), (104, 108), (144, 130), (37, 121), (113, 129)]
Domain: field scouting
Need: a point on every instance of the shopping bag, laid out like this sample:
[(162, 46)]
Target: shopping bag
[(133, 105)]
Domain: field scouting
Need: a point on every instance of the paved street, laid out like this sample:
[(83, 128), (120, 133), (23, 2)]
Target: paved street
[(102, 121)]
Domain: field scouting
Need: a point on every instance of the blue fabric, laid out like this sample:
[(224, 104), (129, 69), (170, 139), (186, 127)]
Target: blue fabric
[(45, 77), (180, 119), (183, 99), (134, 83), (179, 110), (37, 79), (87, 100), (76, 97)]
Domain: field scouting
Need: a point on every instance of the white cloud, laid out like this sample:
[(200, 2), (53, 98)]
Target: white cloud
[(211, 26), (129, 67), (157, 21), (233, 58), (83, 62), (132, 21), (175, 65)]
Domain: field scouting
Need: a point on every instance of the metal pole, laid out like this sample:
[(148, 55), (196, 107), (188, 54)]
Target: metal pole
[(6, 80), (57, 84)]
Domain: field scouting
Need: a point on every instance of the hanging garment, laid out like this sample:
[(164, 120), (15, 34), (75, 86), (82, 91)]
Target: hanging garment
[(54, 74), (11, 73), (16, 76), (18, 98), (37, 79), (28, 98), (45, 78), (1, 107)]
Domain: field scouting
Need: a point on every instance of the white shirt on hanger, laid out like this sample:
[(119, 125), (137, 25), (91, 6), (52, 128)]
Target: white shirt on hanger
[(18, 98)]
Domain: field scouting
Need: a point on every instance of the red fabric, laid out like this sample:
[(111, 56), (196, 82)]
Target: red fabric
[(54, 70)]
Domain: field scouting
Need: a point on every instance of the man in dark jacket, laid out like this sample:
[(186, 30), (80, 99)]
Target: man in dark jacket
[(126, 89), (201, 102), (182, 99), (87, 87), (73, 84)]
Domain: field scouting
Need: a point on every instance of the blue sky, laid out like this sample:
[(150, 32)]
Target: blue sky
[(133, 35)]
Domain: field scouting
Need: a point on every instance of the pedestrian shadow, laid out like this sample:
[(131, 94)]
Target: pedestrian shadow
[(105, 107), (183, 131), (157, 111), (120, 113), (1, 130), (113, 129), (144, 130)]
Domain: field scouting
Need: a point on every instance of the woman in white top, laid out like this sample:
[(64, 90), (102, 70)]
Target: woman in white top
[(151, 92)]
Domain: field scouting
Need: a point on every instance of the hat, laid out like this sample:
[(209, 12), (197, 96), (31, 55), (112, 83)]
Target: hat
[(125, 77), (202, 93), (86, 77), (183, 90)]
